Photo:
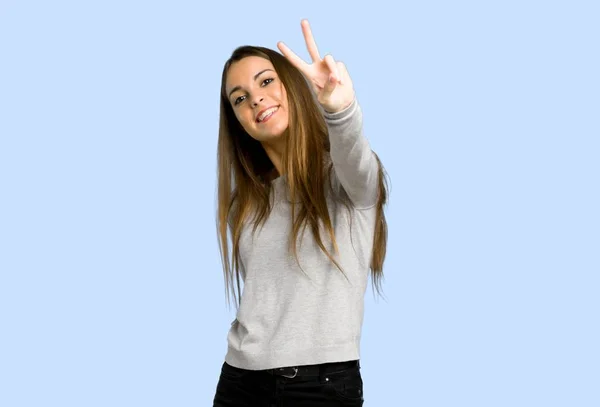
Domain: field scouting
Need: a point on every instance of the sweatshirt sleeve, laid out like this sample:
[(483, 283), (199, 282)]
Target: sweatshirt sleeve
[(353, 160)]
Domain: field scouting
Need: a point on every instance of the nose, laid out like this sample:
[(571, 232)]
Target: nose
[(257, 100)]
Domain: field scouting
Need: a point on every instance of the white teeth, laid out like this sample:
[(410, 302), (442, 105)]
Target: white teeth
[(266, 113)]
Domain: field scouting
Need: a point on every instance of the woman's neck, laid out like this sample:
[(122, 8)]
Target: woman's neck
[(275, 151)]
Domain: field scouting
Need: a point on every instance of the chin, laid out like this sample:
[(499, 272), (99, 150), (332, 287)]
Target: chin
[(275, 134)]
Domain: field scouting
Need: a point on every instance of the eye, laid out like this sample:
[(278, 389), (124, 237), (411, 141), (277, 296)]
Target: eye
[(240, 99)]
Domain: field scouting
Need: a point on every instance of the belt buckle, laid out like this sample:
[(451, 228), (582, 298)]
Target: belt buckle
[(291, 377)]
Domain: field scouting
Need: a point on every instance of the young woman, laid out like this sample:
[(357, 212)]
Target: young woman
[(300, 199)]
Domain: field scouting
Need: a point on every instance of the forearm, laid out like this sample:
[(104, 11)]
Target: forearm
[(354, 162)]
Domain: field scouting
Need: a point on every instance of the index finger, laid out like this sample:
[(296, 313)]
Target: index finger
[(292, 57)]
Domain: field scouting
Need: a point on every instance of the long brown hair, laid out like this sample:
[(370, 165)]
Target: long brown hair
[(243, 168)]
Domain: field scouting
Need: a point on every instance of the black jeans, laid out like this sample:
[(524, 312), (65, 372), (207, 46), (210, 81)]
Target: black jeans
[(324, 385)]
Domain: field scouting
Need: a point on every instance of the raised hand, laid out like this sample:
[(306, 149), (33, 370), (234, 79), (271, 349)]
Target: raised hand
[(330, 79)]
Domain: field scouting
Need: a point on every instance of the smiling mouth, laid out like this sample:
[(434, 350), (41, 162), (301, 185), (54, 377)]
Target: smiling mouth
[(269, 113)]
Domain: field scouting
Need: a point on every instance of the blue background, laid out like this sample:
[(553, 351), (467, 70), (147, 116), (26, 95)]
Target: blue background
[(485, 114)]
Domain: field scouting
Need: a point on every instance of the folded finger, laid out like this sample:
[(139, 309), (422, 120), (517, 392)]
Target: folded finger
[(333, 68)]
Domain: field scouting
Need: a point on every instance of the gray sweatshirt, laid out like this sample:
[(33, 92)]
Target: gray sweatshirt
[(287, 318)]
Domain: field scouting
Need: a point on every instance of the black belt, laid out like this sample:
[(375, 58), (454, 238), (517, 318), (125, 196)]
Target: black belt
[(313, 370)]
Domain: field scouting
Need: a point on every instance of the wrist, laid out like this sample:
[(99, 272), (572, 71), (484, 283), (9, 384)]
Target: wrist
[(336, 111)]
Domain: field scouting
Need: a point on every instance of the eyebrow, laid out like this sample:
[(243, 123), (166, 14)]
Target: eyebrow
[(255, 76)]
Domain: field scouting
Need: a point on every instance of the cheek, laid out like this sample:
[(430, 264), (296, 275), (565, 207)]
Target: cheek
[(284, 98), (243, 117), (283, 93)]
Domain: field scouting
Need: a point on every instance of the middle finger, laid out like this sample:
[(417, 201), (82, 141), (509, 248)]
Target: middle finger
[(311, 45)]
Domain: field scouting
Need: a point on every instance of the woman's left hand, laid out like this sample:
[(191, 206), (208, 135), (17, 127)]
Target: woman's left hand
[(330, 79)]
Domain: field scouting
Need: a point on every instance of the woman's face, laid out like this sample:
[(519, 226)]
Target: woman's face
[(258, 98)]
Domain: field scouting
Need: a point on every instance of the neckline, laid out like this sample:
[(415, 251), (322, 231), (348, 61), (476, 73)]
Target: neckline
[(278, 180)]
